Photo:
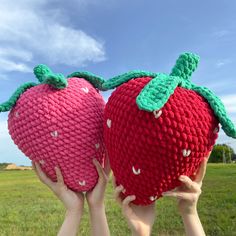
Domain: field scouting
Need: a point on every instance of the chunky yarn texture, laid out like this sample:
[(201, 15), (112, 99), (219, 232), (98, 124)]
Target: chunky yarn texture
[(158, 127), (59, 123)]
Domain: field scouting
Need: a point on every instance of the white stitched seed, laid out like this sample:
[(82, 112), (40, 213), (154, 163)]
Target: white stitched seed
[(86, 90), (108, 123), (97, 145), (216, 130), (54, 134), (16, 114), (157, 113), (42, 162), (136, 172), (83, 183), (153, 198), (186, 152)]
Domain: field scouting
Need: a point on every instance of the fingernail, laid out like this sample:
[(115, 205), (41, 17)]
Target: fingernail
[(181, 177), (120, 187), (124, 190)]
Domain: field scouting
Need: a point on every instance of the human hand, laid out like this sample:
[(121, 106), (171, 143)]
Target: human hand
[(140, 218), (95, 197), (73, 202), (188, 193)]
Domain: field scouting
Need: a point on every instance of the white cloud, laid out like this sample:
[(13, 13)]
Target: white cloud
[(16, 53), (220, 85), (70, 47), (223, 138), (31, 29), (229, 102), (3, 125), (9, 152), (223, 62), (8, 65), (221, 33)]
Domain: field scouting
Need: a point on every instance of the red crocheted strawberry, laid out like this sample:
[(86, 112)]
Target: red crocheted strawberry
[(158, 127), (59, 122)]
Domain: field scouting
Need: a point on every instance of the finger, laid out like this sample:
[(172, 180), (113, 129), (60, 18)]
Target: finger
[(33, 165), (179, 195), (128, 200), (101, 173), (201, 171), (41, 175), (59, 175), (115, 185), (117, 193), (114, 181), (107, 167), (188, 183), (80, 195), (127, 211)]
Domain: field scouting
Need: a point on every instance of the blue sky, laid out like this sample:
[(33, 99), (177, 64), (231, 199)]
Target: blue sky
[(109, 37)]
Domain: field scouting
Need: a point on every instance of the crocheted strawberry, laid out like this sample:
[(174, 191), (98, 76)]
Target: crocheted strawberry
[(158, 127), (59, 122)]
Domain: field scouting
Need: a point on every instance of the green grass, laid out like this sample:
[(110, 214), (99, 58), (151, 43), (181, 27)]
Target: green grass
[(27, 207)]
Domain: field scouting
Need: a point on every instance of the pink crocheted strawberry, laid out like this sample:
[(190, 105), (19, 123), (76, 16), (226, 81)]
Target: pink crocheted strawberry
[(59, 122), (158, 127)]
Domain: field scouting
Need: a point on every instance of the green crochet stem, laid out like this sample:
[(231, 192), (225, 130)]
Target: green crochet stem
[(157, 92), (185, 65), (46, 76), (95, 80), (6, 106)]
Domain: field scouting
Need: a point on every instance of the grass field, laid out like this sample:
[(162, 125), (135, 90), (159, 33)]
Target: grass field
[(27, 207)]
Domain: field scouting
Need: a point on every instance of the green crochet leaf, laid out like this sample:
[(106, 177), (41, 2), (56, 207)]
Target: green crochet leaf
[(218, 108), (95, 80), (46, 76), (157, 92), (185, 65), (6, 106), (120, 79), (58, 81)]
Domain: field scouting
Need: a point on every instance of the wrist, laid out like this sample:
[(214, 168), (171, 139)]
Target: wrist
[(142, 230), (96, 207), (74, 212), (191, 211)]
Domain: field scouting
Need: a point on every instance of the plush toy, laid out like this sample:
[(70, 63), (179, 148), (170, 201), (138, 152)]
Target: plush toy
[(59, 122), (159, 126)]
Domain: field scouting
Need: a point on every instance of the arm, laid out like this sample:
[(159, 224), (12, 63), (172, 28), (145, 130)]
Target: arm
[(139, 218), (95, 199), (71, 223), (73, 202), (187, 196)]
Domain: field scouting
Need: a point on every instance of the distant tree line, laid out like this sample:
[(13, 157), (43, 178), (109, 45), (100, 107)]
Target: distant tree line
[(222, 153), (3, 165)]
